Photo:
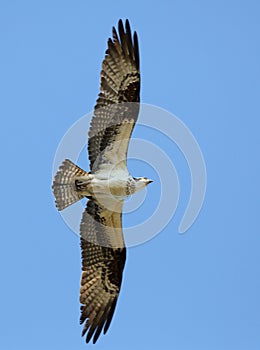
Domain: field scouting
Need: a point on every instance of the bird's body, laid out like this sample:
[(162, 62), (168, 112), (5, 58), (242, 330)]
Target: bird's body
[(119, 184), (107, 184)]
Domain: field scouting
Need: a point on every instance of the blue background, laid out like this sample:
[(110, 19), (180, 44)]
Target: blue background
[(199, 60)]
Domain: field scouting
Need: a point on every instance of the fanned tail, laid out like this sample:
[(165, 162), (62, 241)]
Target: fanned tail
[(64, 187)]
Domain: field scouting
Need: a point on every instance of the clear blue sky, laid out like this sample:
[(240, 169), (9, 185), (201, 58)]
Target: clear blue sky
[(199, 60)]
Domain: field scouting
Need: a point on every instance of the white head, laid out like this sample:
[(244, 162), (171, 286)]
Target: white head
[(141, 182)]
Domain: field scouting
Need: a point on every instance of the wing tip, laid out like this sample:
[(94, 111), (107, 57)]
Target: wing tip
[(93, 328), (128, 42)]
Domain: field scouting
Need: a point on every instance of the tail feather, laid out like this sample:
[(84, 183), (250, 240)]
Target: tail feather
[(64, 187)]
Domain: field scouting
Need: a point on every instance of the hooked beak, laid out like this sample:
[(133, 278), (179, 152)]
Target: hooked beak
[(149, 181)]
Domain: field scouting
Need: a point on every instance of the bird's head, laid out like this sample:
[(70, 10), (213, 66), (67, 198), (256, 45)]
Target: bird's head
[(141, 182)]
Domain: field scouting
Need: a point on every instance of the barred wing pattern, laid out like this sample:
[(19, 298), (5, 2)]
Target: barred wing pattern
[(115, 114), (103, 260), (103, 249)]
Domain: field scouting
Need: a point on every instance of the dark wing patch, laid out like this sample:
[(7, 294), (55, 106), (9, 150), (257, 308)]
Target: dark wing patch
[(103, 260), (120, 84)]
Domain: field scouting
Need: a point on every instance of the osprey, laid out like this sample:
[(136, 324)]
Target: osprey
[(107, 184)]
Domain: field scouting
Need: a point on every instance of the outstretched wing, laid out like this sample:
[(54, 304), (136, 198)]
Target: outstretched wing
[(115, 113), (103, 260)]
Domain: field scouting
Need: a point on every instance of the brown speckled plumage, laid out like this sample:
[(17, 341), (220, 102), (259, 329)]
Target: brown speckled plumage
[(102, 243)]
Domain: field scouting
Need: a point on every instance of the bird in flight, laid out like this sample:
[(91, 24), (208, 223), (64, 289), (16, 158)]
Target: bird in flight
[(107, 184)]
